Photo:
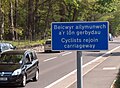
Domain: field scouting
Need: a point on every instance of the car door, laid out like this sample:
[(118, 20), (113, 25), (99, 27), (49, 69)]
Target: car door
[(28, 65), (34, 63)]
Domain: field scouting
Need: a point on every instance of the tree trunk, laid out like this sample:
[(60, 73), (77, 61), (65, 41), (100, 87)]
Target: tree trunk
[(35, 19), (30, 18), (75, 15), (1, 21), (47, 19), (16, 19), (62, 12), (11, 20)]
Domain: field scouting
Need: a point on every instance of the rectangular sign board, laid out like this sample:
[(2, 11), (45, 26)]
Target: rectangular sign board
[(80, 35)]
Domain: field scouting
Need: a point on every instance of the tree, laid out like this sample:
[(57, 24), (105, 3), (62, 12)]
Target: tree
[(12, 29), (16, 19), (31, 19), (1, 21)]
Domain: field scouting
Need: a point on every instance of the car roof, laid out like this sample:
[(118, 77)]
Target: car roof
[(15, 52), (2, 43), (5, 43)]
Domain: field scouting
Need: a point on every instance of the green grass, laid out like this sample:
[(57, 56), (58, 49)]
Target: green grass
[(25, 43), (117, 82)]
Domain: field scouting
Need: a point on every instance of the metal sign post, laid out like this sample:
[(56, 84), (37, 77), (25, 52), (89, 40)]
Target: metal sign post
[(79, 70)]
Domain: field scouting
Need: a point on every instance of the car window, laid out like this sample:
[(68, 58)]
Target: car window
[(27, 59), (11, 58), (31, 55), (4, 47), (7, 45), (35, 56)]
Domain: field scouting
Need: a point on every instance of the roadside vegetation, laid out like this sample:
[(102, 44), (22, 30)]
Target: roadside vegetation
[(31, 19), (25, 43), (117, 82)]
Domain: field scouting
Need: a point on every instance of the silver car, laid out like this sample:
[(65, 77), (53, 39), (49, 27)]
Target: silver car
[(47, 46), (6, 46)]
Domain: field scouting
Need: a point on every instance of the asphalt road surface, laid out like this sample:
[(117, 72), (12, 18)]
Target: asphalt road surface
[(54, 66)]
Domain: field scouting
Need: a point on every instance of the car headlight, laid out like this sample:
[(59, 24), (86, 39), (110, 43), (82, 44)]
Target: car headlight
[(16, 72)]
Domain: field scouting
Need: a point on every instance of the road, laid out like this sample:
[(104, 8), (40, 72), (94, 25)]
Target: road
[(54, 66)]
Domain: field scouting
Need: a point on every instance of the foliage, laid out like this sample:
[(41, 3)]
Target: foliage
[(117, 82), (33, 18)]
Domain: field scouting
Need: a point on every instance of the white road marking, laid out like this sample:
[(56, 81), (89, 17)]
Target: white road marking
[(109, 68), (71, 83), (66, 53), (112, 86), (59, 80), (50, 59), (73, 72), (101, 56)]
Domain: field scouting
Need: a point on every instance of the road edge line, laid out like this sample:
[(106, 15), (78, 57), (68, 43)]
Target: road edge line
[(112, 86), (61, 79)]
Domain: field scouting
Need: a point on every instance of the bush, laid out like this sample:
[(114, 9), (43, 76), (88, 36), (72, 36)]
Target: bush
[(117, 82)]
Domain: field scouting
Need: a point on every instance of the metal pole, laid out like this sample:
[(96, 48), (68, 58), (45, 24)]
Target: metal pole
[(79, 70)]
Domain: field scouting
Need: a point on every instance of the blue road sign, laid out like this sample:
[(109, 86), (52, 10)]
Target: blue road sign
[(80, 35)]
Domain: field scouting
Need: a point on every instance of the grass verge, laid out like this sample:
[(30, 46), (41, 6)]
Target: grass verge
[(117, 82), (25, 43)]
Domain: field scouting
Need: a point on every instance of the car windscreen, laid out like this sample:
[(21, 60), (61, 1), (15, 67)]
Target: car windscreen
[(48, 42), (11, 58)]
